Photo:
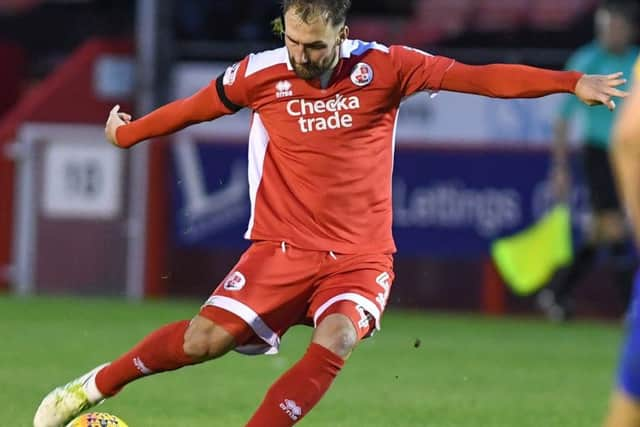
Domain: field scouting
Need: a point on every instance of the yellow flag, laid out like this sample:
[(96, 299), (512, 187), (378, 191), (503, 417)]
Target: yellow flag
[(528, 259)]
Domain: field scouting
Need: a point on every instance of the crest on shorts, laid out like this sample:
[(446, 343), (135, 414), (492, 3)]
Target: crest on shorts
[(235, 281), (362, 74)]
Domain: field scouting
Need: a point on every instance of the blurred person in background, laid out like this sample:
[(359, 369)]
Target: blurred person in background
[(624, 410), (613, 49), (320, 164)]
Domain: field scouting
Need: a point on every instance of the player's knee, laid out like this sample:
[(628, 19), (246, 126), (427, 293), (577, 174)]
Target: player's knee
[(205, 340), (337, 333), (342, 342), (346, 341)]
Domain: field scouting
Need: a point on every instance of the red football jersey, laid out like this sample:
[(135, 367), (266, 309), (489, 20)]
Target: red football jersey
[(321, 159)]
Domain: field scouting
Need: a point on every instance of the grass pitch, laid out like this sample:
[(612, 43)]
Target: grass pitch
[(468, 371)]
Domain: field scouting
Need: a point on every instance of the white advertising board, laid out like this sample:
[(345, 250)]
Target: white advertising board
[(82, 180)]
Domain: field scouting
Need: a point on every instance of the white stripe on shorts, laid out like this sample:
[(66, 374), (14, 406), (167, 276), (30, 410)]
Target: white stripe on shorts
[(356, 298), (252, 319)]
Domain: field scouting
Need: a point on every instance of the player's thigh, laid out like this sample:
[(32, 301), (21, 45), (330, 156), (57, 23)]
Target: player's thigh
[(265, 293), (600, 181)]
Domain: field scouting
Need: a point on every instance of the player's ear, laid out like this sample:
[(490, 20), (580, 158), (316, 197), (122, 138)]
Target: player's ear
[(344, 33), (277, 26)]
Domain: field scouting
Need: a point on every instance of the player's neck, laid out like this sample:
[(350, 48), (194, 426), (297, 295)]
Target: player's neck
[(325, 78)]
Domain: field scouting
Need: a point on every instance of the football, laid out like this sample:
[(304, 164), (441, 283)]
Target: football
[(97, 419)]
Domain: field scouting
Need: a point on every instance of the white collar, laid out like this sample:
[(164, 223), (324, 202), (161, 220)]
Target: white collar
[(346, 47)]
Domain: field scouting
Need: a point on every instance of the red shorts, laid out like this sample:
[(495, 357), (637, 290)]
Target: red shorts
[(275, 286)]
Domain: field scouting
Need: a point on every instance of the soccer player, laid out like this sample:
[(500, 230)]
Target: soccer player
[(320, 162), (624, 409), (615, 22)]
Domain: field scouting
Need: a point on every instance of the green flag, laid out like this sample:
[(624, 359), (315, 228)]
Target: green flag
[(528, 259)]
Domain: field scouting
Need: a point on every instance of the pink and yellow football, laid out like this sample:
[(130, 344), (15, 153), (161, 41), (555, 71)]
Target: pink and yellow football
[(96, 419)]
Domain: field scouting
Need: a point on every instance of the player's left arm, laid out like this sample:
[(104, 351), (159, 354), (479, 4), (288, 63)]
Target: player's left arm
[(626, 155), (522, 81)]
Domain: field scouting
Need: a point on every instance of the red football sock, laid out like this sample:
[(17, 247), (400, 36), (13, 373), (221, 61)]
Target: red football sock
[(299, 389), (159, 351)]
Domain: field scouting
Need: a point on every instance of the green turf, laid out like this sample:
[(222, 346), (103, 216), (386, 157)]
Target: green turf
[(468, 371)]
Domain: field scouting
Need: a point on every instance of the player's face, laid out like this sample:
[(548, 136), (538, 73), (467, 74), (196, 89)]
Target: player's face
[(313, 46), (614, 31)]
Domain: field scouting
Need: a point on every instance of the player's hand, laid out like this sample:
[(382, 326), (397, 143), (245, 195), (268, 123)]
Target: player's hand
[(594, 89), (114, 121)]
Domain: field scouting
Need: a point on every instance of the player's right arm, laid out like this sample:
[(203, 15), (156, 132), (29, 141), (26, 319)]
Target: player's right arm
[(626, 153), (210, 102)]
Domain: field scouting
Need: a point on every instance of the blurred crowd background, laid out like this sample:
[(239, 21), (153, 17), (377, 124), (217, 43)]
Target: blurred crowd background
[(39, 34)]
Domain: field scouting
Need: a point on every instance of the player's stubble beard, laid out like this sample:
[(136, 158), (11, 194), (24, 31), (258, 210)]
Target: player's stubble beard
[(310, 70)]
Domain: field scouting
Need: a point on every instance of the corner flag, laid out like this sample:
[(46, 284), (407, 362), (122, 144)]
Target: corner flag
[(528, 259)]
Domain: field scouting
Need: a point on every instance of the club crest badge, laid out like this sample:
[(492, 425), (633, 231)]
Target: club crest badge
[(362, 74), (235, 281)]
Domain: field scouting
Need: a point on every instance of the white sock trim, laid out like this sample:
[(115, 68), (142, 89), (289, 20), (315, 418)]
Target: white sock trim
[(91, 388)]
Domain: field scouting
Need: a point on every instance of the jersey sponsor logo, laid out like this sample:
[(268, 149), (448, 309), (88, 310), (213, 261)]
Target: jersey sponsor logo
[(291, 408), (235, 281), (283, 89), (335, 112), (230, 74), (362, 74)]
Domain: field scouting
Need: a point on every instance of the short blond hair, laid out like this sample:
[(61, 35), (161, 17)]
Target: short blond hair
[(331, 11)]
